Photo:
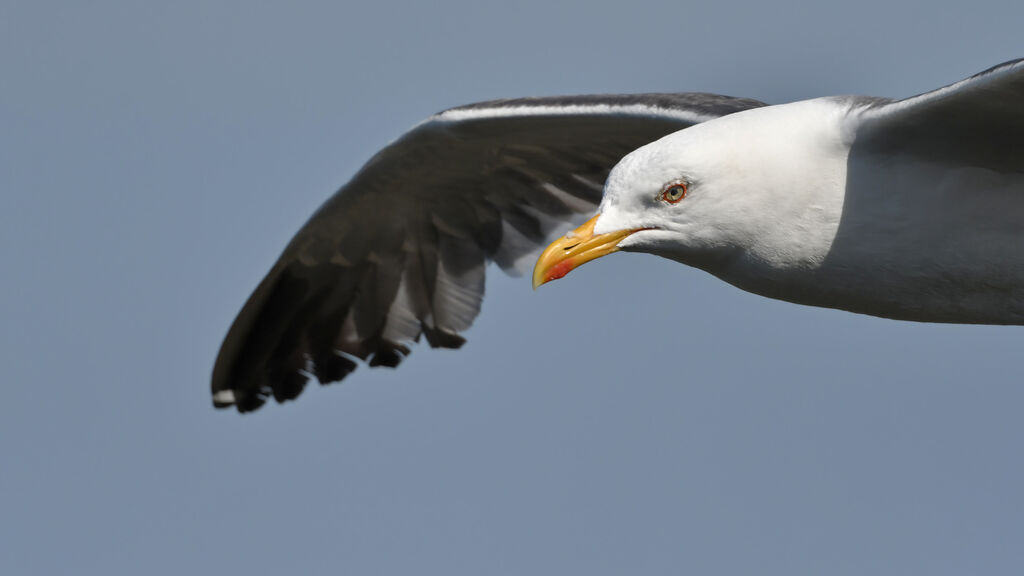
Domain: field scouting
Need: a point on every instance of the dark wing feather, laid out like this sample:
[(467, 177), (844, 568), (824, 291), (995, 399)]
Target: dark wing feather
[(976, 122), (400, 251)]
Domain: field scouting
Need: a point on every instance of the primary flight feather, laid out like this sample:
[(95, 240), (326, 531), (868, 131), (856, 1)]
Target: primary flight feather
[(909, 209)]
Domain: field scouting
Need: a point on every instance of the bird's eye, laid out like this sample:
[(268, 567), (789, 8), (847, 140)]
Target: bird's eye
[(674, 193)]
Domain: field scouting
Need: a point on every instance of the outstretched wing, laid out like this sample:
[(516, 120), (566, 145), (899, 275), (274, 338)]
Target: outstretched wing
[(976, 122), (400, 251)]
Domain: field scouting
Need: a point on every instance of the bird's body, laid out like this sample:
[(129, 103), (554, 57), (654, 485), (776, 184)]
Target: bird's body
[(909, 209), (945, 243)]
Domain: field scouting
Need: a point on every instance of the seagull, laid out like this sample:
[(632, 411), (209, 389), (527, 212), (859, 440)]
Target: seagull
[(907, 209)]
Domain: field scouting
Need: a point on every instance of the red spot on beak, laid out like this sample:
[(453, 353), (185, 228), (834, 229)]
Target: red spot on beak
[(561, 269)]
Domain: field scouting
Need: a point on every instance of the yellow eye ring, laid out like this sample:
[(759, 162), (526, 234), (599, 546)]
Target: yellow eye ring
[(673, 193)]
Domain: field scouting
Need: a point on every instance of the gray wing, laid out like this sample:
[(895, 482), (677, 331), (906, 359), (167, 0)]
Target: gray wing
[(976, 122), (399, 253)]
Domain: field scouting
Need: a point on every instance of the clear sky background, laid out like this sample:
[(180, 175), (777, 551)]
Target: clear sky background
[(638, 417)]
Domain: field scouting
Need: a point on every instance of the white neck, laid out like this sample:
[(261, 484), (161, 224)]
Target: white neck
[(892, 237), (794, 161)]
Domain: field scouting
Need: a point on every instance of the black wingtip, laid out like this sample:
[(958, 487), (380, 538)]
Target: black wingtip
[(389, 354), (440, 338), (288, 385), (332, 367)]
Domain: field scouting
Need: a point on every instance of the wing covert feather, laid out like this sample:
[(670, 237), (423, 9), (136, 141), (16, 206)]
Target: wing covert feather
[(976, 122)]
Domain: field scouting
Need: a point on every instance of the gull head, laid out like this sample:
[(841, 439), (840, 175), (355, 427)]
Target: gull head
[(759, 185)]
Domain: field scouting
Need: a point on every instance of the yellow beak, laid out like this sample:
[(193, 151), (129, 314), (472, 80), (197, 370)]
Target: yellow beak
[(574, 249)]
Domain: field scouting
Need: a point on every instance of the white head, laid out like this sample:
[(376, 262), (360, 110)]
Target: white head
[(764, 184)]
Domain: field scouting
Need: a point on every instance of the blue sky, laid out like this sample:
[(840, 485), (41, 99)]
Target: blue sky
[(636, 417)]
